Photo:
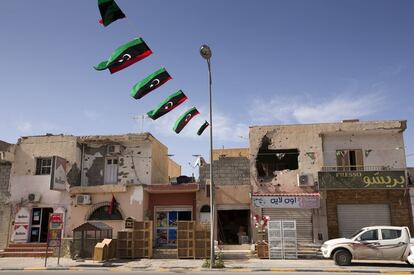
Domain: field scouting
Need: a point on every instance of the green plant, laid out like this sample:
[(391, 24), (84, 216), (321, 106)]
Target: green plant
[(218, 263)]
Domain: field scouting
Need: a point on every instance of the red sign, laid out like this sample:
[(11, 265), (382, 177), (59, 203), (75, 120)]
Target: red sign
[(56, 218)]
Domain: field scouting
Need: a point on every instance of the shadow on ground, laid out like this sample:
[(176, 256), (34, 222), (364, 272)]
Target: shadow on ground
[(397, 265)]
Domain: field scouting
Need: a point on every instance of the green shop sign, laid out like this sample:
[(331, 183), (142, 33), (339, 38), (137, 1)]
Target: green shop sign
[(362, 179)]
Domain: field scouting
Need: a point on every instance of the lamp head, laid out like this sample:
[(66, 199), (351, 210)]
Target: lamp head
[(205, 52)]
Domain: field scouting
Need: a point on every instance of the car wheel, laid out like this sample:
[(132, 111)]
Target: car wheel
[(342, 257)]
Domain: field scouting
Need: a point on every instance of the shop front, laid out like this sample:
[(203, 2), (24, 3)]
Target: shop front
[(31, 224), (357, 199), (167, 205), (295, 206)]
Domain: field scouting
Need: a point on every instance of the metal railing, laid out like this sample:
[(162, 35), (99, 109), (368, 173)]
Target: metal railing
[(359, 168)]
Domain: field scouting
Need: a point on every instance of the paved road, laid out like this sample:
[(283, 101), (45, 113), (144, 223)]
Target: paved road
[(72, 272)]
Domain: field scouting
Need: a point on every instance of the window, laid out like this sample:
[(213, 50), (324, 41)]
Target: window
[(205, 209), (102, 213), (389, 234), (111, 170), (43, 166), (371, 235), (349, 160)]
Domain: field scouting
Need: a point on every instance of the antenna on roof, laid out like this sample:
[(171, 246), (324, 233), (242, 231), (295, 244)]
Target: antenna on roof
[(142, 118)]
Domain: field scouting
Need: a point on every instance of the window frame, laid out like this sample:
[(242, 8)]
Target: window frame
[(343, 159), (40, 165), (383, 229)]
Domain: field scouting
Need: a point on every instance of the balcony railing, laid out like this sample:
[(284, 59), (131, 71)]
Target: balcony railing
[(359, 168)]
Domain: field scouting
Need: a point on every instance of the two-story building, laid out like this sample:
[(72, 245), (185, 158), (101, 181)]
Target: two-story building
[(86, 178), (332, 178)]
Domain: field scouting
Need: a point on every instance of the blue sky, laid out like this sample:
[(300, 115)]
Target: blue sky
[(274, 62)]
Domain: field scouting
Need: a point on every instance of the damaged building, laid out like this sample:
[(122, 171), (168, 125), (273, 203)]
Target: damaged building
[(332, 178), (85, 178)]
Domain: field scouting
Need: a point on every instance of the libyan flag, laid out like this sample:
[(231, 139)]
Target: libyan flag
[(112, 205), (125, 56), (184, 119), (150, 83), (167, 105), (202, 128), (110, 12)]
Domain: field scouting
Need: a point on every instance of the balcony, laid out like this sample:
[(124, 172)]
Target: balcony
[(359, 168)]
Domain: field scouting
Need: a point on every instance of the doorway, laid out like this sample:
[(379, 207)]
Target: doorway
[(39, 224), (233, 226)]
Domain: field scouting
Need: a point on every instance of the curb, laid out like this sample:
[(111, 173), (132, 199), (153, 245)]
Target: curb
[(229, 269)]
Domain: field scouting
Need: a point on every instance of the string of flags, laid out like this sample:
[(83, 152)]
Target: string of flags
[(134, 51)]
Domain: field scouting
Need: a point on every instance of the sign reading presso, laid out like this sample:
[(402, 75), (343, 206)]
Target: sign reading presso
[(286, 201), (362, 179)]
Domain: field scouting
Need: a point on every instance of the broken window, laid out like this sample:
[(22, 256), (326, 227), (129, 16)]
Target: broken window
[(269, 161)]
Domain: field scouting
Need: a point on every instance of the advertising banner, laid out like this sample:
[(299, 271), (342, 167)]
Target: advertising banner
[(362, 179), (286, 201)]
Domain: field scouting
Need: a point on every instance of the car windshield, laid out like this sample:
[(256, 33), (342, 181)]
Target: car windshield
[(356, 233)]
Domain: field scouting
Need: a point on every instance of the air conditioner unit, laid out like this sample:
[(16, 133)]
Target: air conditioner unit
[(33, 197), (305, 180), (114, 149), (83, 199)]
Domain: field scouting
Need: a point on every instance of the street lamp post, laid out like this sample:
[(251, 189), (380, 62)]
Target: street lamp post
[(205, 52)]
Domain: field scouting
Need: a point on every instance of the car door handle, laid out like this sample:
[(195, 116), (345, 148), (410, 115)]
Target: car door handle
[(402, 243)]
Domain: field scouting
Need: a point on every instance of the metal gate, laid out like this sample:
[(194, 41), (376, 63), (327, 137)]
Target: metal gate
[(352, 217), (303, 218), (282, 239)]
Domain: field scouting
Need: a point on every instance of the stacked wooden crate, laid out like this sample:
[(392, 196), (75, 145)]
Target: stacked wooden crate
[(185, 239), (202, 241), (142, 239), (125, 244), (136, 242)]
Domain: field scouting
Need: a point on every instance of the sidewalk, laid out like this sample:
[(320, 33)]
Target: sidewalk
[(195, 265)]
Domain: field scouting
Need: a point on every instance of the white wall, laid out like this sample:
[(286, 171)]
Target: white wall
[(383, 145)]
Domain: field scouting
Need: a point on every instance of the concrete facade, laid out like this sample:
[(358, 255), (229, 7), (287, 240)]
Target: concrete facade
[(230, 153), (174, 169), (97, 168), (141, 160), (315, 148)]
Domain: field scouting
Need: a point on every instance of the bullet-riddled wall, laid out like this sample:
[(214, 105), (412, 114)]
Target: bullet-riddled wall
[(310, 147)]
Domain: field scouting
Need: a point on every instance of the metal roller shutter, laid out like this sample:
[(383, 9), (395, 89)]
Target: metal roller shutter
[(303, 219), (352, 217)]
